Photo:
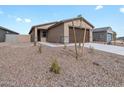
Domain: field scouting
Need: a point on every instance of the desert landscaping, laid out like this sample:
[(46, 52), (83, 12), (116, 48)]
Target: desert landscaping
[(22, 65)]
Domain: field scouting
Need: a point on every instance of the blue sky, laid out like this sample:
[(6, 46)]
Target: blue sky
[(21, 18)]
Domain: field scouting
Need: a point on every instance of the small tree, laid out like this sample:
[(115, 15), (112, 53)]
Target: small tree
[(79, 15), (75, 39), (114, 36)]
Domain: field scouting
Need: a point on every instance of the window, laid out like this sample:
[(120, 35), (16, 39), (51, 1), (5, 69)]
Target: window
[(44, 33)]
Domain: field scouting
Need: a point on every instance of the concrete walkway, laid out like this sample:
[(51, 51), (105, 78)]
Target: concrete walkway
[(107, 48)]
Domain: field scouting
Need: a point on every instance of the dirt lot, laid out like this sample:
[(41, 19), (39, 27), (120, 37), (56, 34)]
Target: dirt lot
[(22, 65)]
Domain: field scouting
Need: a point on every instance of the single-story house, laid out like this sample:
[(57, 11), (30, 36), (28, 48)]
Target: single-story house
[(4, 31), (62, 31), (104, 34)]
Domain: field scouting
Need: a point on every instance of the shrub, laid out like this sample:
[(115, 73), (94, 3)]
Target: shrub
[(55, 67)]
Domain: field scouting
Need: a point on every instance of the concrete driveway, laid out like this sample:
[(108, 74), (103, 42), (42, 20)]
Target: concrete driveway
[(107, 48)]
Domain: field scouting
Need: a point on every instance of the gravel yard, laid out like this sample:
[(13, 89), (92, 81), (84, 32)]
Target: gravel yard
[(21, 65)]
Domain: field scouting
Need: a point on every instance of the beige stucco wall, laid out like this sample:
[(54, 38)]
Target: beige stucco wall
[(76, 23), (32, 36), (55, 34)]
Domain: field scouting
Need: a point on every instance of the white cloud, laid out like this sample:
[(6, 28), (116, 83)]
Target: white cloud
[(122, 10), (99, 7), (27, 20), (18, 19), (23, 20)]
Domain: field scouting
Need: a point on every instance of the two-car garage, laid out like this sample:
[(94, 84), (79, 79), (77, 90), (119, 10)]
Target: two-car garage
[(79, 35)]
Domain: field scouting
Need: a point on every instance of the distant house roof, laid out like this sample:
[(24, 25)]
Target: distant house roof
[(6, 29), (56, 23), (101, 29)]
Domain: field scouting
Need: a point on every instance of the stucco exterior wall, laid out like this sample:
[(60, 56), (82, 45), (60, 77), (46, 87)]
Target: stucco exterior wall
[(56, 34), (2, 35), (32, 35)]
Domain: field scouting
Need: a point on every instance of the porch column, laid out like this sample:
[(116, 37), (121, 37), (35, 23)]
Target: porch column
[(91, 35), (35, 36), (66, 34)]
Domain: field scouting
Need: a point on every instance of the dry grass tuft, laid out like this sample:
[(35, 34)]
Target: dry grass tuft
[(55, 66), (40, 48)]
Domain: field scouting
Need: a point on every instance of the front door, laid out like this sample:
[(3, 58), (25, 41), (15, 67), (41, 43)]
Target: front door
[(39, 35), (44, 35)]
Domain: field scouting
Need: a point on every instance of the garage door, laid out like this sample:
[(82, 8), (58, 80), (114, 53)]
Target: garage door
[(79, 35)]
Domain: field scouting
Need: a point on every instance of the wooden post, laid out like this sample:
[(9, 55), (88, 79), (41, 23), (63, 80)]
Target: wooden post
[(75, 39), (84, 35)]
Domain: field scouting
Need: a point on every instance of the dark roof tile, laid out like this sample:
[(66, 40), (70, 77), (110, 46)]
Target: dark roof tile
[(8, 30)]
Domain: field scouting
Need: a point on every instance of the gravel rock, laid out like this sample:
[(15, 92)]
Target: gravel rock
[(21, 65)]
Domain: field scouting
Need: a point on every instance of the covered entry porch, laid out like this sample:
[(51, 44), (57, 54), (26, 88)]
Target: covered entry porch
[(40, 35)]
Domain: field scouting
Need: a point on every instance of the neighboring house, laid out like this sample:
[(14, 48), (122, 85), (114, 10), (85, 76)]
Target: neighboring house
[(104, 34), (4, 31), (120, 38), (62, 31)]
